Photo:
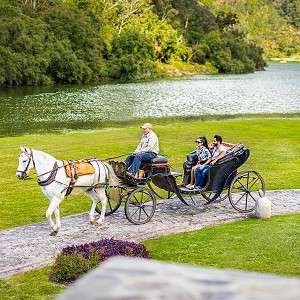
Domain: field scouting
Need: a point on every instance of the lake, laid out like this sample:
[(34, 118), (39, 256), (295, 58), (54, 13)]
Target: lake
[(33, 110)]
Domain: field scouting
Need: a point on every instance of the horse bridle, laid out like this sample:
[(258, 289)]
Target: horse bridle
[(24, 172)]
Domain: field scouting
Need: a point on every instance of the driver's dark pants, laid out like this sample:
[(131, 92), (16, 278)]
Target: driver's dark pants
[(134, 161)]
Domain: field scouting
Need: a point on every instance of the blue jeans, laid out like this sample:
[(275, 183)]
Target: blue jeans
[(134, 161), (201, 176)]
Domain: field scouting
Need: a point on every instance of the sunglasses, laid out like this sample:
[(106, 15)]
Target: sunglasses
[(199, 142)]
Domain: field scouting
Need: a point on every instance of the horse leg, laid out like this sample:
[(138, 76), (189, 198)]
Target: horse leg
[(103, 198), (54, 206), (95, 195), (57, 218)]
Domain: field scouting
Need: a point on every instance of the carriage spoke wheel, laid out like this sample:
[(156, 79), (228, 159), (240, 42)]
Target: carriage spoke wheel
[(209, 195), (111, 205), (244, 190), (140, 206)]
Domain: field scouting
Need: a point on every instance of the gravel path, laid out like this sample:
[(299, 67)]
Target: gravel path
[(29, 247)]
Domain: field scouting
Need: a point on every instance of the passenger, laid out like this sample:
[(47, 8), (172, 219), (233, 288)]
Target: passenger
[(218, 151), (148, 148), (204, 158)]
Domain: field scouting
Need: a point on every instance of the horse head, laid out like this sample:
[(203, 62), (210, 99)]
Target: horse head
[(25, 163)]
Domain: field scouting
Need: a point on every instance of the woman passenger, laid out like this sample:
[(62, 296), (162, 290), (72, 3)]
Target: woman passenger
[(204, 158)]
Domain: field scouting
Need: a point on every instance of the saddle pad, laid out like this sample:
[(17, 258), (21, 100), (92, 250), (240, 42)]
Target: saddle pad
[(81, 167)]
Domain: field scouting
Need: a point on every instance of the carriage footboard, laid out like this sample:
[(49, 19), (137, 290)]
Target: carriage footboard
[(168, 183)]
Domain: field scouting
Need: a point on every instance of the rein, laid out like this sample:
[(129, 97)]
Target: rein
[(109, 158)]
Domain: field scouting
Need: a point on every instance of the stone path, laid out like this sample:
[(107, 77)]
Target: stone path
[(29, 247)]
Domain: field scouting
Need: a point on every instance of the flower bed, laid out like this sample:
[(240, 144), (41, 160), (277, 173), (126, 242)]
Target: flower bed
[(74, 261)]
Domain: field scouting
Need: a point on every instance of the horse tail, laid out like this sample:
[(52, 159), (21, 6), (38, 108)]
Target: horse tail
[(113, 180)]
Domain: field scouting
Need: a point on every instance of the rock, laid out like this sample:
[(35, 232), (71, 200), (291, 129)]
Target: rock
[(263, 207)]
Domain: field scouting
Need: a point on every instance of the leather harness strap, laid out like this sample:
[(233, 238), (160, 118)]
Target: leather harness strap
[(50, 178)]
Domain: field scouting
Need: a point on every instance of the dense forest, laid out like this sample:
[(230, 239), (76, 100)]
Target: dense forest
[(78, 41)]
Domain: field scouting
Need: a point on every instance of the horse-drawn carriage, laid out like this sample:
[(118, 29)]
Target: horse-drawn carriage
[(111, 184), (139, 194)]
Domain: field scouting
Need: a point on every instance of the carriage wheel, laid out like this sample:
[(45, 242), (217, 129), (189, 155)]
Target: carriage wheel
[(209, 195), (244, 190), (111, 205), (140, 206)]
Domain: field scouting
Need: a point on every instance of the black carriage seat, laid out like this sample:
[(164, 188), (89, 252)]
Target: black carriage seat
[(156, 165), (159, 159)]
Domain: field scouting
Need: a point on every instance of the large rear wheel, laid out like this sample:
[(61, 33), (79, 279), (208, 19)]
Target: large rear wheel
[(140, 206), (244, 190)]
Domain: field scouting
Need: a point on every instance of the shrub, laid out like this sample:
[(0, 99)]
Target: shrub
[(69, 267), (74, 261)]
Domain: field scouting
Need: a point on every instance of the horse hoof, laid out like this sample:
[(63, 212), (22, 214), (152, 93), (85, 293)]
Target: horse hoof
[(93, 221), (54, 233), (98, 223)]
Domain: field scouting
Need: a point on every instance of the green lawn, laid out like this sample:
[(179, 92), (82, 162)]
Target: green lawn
[(270, 245), (274, 145), (255, 245)]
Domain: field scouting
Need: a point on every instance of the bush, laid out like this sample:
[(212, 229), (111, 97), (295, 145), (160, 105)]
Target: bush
[(74, 261), (69, 267)]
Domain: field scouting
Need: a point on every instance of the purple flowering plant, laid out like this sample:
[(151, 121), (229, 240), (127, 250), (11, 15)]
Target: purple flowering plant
[(74, 260), (109, 247)]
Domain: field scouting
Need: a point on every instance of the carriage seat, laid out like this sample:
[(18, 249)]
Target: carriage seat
[(158, 160), (155, 165)]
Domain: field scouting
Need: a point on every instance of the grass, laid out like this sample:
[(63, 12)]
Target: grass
[(274, 146), (32, 285), (253, 245), (269, 245)]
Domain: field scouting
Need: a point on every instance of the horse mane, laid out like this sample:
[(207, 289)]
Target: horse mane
[(45, 155)]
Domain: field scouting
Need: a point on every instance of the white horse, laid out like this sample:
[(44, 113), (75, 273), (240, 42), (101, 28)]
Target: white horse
[(54, 183)]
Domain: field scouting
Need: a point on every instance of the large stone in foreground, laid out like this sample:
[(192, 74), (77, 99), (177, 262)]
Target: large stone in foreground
[(125, 278)]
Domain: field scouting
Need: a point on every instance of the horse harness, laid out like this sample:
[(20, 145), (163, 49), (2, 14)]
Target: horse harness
[(76, 168)]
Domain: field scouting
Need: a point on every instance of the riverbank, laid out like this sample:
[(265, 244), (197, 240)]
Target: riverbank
[(294, 58), (162, 121)]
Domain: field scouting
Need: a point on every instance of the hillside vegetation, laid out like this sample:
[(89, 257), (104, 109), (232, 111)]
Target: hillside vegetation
[(79, 41)]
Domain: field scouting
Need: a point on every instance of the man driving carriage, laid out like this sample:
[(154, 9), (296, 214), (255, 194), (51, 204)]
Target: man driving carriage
[(147, 148)]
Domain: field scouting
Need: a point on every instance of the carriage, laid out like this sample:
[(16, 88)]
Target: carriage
[(139, 194)]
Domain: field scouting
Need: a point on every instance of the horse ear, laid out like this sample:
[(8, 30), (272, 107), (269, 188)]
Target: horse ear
[(22, 149)]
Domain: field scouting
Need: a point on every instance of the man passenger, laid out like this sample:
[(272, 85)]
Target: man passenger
[(218, 150)]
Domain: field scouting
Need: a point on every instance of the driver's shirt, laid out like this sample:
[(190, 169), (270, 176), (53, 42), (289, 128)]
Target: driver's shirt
[(148, 143)]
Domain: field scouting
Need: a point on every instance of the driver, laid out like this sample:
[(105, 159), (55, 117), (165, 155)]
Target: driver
[(147, 148)]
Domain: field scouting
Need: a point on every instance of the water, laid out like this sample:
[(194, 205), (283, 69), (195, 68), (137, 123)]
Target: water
[(31, 110)]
